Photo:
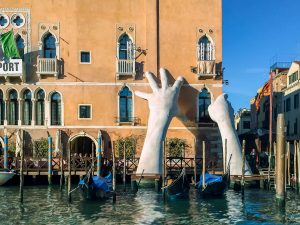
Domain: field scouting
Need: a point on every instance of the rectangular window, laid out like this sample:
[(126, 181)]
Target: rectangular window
[(288, 105), (85, 112), (296, 101), (85, 57), (246, 124), (293, 77), (296, 127)]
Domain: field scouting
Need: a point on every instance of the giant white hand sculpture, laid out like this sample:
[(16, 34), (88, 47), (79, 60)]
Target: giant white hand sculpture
[(163, 106), (221, 112)]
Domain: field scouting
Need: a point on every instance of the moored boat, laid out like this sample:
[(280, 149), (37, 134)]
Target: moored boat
[(5, 176), (94, 187), (178, 187), (214, 185)]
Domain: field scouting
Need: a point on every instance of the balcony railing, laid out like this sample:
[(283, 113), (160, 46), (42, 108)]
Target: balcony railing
[(206, 69), (205, 122), (13, 68), (125, 67), (128, 120), (47, 66)]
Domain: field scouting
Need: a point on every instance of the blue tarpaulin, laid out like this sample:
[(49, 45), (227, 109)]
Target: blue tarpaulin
[(210, 178), (103, 183)]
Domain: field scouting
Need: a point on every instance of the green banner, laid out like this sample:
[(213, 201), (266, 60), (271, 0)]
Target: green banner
[(9, 46)]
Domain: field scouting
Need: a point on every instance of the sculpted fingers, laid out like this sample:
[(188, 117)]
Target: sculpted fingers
[(178, 83), (163, 78), (142, 94), (152, 82)]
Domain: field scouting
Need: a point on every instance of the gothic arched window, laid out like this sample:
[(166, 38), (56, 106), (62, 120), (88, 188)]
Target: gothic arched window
[(205, 49), (27, 107), (125, 105), (13, 107), (49, 46), (204, 100), (40, 107), (55, 109)]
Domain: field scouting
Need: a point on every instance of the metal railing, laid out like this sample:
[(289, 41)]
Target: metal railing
[(47, 66), (83, 164), (127, 120), (125, 67)]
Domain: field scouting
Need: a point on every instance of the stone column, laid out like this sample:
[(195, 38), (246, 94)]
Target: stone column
[(20, 118), (33, 112), (5, 112)]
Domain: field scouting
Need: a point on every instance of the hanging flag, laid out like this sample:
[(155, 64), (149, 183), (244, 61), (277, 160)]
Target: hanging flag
[(8, 45), (266, 91)]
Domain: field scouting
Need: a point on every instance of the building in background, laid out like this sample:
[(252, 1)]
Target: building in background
[(83, 60), (260, 118), (243, 121), (291, 103)]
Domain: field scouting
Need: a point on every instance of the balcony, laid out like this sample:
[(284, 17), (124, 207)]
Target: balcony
[(13, 68), (125, 67), (47, 66), (206, 69), (128, 120)]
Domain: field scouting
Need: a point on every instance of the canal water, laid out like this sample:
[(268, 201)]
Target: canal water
[(49, 205)]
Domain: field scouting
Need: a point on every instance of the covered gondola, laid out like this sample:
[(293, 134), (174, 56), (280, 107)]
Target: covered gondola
[(96, 187), (214, 185)]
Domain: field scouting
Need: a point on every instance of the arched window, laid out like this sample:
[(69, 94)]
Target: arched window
[(13, 108), (55, 109), (20, 46), (49, 46), (125, 47), (40, 107), (204, 101), (2, 108), (125, 105), (27, 107), (205, 49)]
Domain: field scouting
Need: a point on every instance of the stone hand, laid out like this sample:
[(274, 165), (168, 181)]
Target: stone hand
[(163, 106)]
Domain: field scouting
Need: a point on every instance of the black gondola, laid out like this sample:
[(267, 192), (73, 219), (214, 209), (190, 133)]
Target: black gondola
[(179, 187)]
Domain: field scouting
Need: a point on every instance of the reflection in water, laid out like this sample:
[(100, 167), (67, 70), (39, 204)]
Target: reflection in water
[(49, 205)]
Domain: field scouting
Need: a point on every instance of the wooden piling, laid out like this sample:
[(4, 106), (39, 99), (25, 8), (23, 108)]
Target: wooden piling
[(49, 160), (280, 161), (295, 164), (99, 144), (288, 164), (195, 162), (164, 173), (69, 169), (5, 151), (114, 174), (203, 164), (61, 169), (21, 170), (243, 167), (298, 165), (225, 156), (124, 167)]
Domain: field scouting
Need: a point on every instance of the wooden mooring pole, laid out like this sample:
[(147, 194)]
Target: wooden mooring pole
[(164, 173), (114, 173), (5, 150), (124, 167), (203, 164), (280, 161), (195, 162), (288, 164), (295, 164), (99, 144), (49, 160), (21, 170), (61, 169), (243, 167), (69, 170), (225, 156), (298, 165)]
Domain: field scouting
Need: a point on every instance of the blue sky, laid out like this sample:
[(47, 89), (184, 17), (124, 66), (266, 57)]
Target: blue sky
[(257, 33)]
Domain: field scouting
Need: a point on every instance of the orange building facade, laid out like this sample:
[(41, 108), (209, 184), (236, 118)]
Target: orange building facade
[(83, 60)]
